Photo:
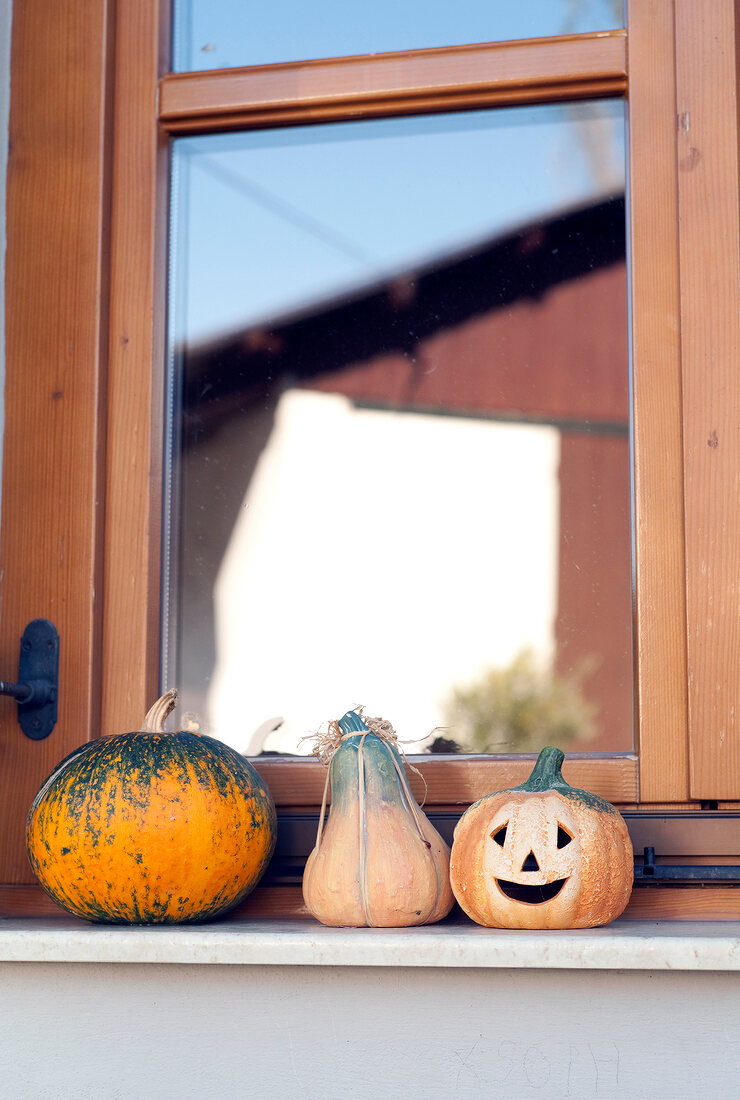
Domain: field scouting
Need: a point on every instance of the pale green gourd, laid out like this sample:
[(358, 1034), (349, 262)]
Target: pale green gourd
[(379, 862)]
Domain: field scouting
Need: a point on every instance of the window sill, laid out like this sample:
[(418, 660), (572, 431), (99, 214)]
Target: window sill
[(623, 945)]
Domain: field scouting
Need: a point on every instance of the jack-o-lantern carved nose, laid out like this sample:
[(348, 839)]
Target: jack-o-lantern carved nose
[(530, 863)]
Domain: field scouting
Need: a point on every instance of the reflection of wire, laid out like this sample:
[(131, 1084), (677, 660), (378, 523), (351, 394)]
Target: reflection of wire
[(289, 213)]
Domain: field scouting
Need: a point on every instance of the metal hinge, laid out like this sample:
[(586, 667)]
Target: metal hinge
[(38, 680)]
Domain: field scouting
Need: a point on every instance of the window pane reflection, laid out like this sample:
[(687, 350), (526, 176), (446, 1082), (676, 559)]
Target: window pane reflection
[(399, 433), (222, 34)]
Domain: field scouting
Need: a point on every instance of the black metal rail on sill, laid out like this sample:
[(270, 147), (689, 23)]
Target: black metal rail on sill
[(297, 836), (650, 873)]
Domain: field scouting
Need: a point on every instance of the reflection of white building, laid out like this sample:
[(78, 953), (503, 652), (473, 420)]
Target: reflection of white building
[(386, 497), (381, 558)]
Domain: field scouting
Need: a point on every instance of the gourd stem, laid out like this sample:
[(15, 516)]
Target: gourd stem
[(546, 773), (155, 719), (352, 723)]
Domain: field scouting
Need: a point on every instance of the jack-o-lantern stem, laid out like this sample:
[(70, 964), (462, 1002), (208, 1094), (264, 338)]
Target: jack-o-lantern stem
[(546, 774)]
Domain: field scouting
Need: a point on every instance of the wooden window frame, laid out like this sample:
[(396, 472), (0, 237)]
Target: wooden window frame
[(92, 111)]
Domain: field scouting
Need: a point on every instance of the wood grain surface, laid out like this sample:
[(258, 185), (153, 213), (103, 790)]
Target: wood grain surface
[(280, 902), (656, 367), (136, 377), (709, 230), (56, 330), (452, 78), (456, 780)]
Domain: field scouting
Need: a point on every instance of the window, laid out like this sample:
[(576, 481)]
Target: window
[(398, 404), (85, 279)]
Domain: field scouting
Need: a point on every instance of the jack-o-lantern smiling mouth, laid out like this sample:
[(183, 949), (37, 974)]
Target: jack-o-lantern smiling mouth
[(524, 892), (528, 894)]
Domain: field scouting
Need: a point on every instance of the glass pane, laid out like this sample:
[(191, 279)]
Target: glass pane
[(399, 433), (221, 34)]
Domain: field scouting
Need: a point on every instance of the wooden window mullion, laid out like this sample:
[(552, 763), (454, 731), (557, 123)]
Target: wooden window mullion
[(660, 639), (494, 74), (709, 231)]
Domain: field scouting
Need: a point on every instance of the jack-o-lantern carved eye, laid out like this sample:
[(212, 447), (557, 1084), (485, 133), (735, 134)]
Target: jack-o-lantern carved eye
[(500, 835), (564, 837)]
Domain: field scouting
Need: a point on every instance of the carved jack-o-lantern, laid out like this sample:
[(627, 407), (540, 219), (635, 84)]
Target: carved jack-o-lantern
[(543, 855)]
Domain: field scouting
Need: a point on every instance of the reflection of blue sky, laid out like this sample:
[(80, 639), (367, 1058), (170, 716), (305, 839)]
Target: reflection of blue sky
[(267, 222), (219, 34)]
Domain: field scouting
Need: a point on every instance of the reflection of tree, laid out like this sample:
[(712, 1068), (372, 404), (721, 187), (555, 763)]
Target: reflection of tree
[(521, 708), (574, 9), (600, 137), (598, 133)]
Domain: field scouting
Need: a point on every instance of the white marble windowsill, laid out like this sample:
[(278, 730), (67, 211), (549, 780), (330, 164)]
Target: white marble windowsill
[(623, 945)]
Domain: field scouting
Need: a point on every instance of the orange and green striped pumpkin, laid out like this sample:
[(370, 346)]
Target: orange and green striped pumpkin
[(151, 827)]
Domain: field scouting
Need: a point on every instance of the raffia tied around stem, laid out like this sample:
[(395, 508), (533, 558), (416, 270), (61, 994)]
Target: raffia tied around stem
[(327, 741)]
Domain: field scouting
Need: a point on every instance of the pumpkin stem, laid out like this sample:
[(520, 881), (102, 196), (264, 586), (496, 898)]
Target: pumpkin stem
[(155, 719), (546, 773)]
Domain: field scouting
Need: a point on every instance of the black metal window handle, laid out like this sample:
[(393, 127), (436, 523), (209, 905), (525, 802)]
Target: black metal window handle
[(38, 691), (38, 680), (21, 692)]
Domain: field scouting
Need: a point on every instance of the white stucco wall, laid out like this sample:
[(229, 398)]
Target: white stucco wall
[(84, 1031)]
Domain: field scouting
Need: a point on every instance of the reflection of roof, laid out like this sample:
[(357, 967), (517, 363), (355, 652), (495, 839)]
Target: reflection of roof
[(399, 314)]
